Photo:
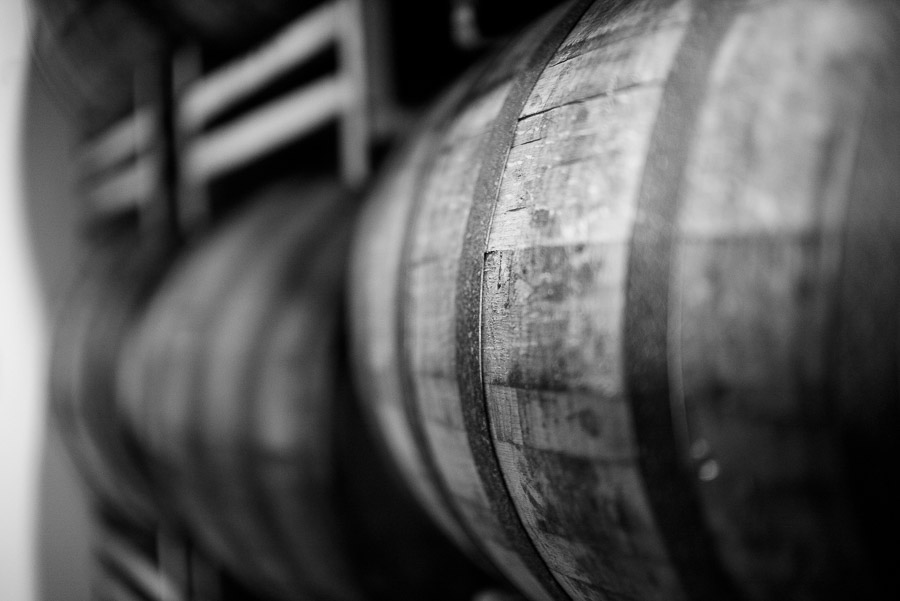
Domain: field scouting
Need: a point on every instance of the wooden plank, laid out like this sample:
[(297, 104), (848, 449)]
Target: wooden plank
[(553, 298), (267, 128), (428, 282), (298, 42), (386, 117)]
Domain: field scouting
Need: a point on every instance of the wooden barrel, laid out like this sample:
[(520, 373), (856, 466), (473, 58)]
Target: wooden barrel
[(89, 54), (126, 563), (234, 388), (95, 320), (626, 309)]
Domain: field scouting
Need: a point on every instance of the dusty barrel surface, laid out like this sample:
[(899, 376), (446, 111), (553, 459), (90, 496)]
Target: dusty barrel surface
[(234, 388), (96, 319), (89, 53), (626, 309)]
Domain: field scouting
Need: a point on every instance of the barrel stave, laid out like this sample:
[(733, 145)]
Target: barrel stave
[(553, 300), (429, 284), (375, 321)]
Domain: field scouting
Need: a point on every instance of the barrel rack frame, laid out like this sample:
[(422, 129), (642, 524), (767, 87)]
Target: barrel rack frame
[(159, 160), (161, 157)]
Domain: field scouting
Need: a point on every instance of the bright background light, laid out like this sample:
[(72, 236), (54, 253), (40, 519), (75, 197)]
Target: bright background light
[(22, 347)]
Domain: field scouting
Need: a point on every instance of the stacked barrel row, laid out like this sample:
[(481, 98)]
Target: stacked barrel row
[(626, 309), (623, 311)]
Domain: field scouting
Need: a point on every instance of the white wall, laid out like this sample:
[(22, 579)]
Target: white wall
[(44, 528), (21, 333)]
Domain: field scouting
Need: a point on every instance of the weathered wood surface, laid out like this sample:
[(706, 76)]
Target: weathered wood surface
[(96, 319), (233, 387), (89, 54), (671, 347)]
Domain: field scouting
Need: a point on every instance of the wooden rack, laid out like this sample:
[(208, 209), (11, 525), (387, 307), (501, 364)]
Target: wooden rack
[(158, 162), (160, 159)]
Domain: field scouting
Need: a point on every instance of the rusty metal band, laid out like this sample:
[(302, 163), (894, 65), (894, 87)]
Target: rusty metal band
[(468, 302), (670, 485)]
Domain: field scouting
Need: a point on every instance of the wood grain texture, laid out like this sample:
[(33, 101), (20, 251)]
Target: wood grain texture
[(723, 146), (445, 191), (552, 342)]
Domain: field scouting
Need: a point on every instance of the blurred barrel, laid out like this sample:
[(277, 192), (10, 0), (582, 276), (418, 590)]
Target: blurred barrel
[(89, 53), (126, 564), (626, 308), (235, 388), (104, 303)]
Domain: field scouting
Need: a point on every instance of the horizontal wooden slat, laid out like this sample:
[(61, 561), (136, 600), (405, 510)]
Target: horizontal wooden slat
[(267, 128), (127, 188), (223, 88), (128, 137)]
